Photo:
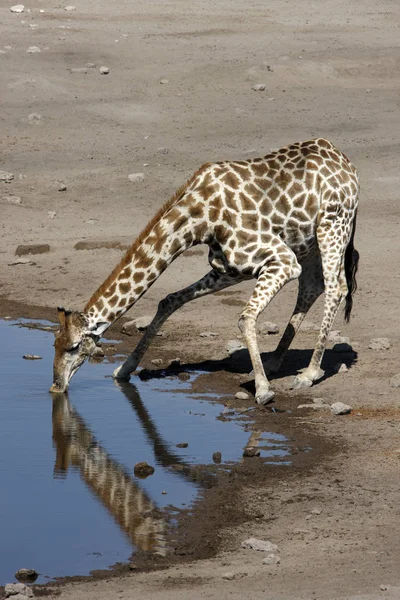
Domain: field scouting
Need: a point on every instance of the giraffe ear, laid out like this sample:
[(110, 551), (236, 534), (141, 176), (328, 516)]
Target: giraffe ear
[(99, 328)]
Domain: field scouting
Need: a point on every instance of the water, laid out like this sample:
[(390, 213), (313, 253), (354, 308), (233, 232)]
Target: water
[(70, 501)]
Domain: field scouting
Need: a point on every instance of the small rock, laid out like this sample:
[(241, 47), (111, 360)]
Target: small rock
[(259, 545), (34, 118), (379, 344), (18, 591), (138, 324), (174, 363), (395, 381), (217, 458), (135, 177), (32, 357), (233, 346), (250, 452), (157, 362), (62, 187), (164, 81), (228, 576), (162, 150), (90, 65), (6, 177), (383, 588), (70, 8), (316, 511), (82, 70), (164, 493), (20, 261), (315, 406), (242, 396), (17, 8), (271, 559), (268, 328), (33, 50), (207, 334), (51, 214), (339, 408), (143, 470), (24, 249), (104, 70), (340, 368), (26, 575), (259, 87), (342, 348), (184, 376), (182, 445), (11, 199)]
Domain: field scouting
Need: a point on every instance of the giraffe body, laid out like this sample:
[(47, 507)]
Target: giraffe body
[(288, 215)]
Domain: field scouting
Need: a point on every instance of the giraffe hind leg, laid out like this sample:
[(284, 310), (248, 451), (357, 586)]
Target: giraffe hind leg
[(210, 283)]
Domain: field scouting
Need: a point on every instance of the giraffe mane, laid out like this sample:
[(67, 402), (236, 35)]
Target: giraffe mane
[(126, 259)]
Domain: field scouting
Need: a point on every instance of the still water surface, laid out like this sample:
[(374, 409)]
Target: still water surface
[(70, 501)]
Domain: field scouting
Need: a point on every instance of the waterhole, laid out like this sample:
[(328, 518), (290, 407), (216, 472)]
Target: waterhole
[(70, 501)]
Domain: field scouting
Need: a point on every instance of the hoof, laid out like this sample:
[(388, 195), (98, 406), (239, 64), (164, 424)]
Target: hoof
[(265, 398), (300, 383), (120, 376)]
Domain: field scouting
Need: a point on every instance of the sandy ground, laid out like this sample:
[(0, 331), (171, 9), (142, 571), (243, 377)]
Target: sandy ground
[(179, 93)]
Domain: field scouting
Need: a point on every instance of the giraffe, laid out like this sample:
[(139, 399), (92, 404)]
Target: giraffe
[(288, 215)]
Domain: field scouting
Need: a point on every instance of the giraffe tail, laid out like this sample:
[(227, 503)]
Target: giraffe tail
[(351, 259)]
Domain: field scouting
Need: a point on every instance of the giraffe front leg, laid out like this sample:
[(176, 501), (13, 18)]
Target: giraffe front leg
[(282, 267), (210, 283)]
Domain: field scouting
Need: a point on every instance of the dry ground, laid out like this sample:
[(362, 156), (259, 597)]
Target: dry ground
[(331, 69)]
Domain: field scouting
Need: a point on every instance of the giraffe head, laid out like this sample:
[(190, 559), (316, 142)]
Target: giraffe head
[(75, 342)]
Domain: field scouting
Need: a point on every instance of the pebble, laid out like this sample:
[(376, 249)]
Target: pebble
[(157, 362), (70, 8), (395, 381), (104, 70), (233, 346), (62, 187), (162, 150), (138, 324), (164, 81), (259, 87), (6, 177), (174, 362), (17, 8), (184, 376), (242, 396), (251, 452), (34, 117), (79, 70), (26, 575), (182, 445), (339, 408), (316, 511), (259, 545), (135, 177), (207, 334), (383, 588), (18, 590), (11, 199), (217, 457), (268, 328), (32, 357), (33, 49), (340, 368), (24, 249), (342, 348), (164, 493), (315, 405), (271, 559), (228, 576), (90, 65), (143, 470), (51, 214), (379, 344), (20, 261)]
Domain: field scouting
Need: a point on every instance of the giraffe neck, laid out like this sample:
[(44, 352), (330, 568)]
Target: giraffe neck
[(161, 242)]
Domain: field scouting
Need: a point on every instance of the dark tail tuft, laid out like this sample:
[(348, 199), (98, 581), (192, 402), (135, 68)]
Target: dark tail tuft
[(351, 259)]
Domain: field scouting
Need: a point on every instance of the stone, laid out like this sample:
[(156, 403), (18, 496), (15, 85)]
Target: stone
[(34, 118), (315, 406), (217, 458), (163, 150), (138, 324), (342, 348), (228, 576), (164, 81), (143, 470), (104, 70), (340, 368), (233, 346), (242, 396), (82, 70), (207, 334), (157, 362), (251, 452), (316, 511), (18, 591), (271, 559), (339, 408), (268, 328), (259, 87), (136, 177), (17, 8), (6, 177), (24, 249), (70, 8), (11, 199), (20, 261), (184, 376), (51, 214), (395, 381), (259, 545), (379, 344), (174, 363), (33, 50), (90, 65), (32, 357), (26, 575), (62, 187), (182, 445)]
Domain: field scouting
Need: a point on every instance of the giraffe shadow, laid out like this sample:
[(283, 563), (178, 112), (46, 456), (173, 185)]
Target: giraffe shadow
[(239, 362)]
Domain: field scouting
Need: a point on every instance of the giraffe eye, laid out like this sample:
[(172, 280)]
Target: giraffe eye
[(74, 347)]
